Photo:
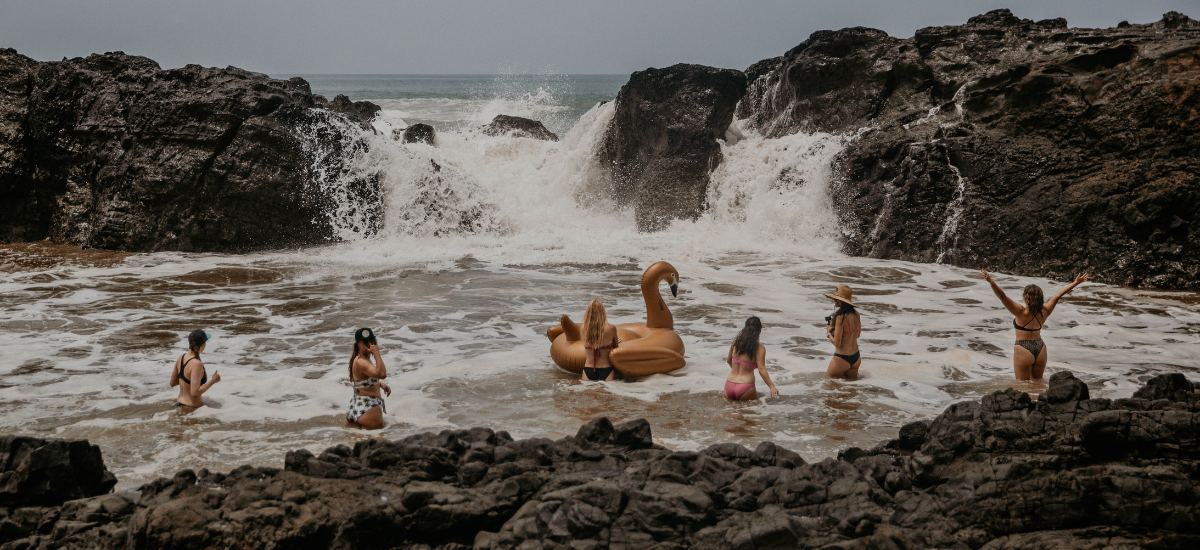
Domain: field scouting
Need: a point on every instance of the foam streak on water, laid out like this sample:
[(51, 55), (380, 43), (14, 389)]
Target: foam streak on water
[(477, 258)]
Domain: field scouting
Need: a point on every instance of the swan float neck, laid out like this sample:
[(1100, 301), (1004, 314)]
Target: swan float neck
[(657, 313)]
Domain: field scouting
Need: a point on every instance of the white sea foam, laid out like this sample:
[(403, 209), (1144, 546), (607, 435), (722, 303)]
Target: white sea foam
[(461, 300)]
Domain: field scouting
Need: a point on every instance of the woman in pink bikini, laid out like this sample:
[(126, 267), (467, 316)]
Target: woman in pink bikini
[(745, 356)]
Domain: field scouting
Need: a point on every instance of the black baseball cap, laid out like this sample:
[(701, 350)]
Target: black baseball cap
[(197, 338), (364, 335)]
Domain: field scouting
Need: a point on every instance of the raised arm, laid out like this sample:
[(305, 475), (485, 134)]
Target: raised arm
[(762, 370), (1010, 305), (200, 389), (378, 370), (1053, 301)]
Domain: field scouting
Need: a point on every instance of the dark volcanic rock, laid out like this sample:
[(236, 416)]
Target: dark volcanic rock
[(1003, 472), (662, 142), (417, 133), (111, 151), (361, 111), (40, 472), (518, 127), (1019, 145)]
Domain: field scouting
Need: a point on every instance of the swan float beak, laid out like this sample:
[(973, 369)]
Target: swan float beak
[(675, 290)]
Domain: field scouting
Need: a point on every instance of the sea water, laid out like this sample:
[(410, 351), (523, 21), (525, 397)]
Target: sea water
[(486, 241)]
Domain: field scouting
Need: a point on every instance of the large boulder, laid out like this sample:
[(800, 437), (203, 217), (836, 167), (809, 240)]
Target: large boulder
[(417, 133), (662, 142), (37, 472), (111, 151), (518, 127), (1025, 146)]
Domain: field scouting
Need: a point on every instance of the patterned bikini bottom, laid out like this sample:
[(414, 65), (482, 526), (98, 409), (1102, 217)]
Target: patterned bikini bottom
[(360, 404)]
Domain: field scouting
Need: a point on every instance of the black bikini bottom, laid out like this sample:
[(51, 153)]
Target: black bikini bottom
[(597, 374), (851, 359)]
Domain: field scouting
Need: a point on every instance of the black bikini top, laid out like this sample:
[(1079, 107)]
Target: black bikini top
[(182, 376), (1026, 326)]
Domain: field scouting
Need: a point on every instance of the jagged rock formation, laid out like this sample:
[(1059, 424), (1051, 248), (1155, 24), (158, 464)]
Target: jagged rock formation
[(662, 142), (518, 127), (1002, 472), (1025, 146), (111, 151)]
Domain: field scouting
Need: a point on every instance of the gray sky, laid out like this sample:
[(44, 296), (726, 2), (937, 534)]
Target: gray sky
[(477, 36)]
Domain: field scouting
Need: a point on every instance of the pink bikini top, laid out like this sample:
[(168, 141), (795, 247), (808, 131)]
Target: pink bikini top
[(745, 363)]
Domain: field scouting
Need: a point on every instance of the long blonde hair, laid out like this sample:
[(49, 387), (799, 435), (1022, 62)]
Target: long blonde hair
[(595, 321)]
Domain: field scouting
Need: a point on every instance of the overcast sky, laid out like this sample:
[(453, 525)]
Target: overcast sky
[(477, 36)]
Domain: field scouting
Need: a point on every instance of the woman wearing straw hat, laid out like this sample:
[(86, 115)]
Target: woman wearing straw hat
[(843, 329)]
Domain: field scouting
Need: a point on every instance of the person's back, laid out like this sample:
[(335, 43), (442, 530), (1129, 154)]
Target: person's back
[(189, 374), (747, 355), (599, 339), (843, 329)]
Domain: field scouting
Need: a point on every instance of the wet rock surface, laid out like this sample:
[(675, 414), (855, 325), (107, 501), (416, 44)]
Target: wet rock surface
[(1025, 146), (662, 142), (518, 127), (1002, 472), (417, 133), (111, 151)]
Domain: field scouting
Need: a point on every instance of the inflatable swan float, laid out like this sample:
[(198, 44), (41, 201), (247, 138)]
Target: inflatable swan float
[(643, 349)]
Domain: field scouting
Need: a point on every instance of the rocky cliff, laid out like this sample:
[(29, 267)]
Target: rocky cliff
[(662, 142), (1002, 472), (1024, 146), (111, 151)]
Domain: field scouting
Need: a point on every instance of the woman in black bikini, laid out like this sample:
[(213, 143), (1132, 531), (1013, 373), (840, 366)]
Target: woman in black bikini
[(599, 339), (843, 329), (1029, 353), (189, 368), (366, 375)]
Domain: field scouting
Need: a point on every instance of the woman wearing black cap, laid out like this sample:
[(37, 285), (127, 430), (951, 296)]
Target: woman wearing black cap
[(189, 374), (366, 374)]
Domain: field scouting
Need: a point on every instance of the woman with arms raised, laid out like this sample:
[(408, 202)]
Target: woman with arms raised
[(188, 373), (1029, 353), (367, 372), (745, 356)]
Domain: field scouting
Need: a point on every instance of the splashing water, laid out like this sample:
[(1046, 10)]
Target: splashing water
[(485, 241)]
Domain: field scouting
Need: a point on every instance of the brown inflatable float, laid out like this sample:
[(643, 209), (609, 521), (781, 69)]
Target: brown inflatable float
[(643, 349)]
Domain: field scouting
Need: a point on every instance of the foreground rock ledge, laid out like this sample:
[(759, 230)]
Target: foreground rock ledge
[(1002, 472)]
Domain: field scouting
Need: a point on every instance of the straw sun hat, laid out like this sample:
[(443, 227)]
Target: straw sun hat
[(842, 294)]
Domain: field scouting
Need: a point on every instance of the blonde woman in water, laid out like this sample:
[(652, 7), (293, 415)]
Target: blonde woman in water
[(599, 339), (1029, 352)]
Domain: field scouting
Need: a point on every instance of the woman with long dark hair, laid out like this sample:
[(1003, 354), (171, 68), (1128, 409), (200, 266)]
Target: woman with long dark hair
[(842, 329), (745, 356), (599, 339), (1029, 352), (188, 373), (367, 372)]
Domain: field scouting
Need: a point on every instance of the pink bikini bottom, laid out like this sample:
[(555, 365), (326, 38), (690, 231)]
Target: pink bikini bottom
[(738, 390)]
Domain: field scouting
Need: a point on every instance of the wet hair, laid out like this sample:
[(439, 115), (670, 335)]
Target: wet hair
[(595, 321), (196, 340), (364, 335), (746, 342), (1033, 299)]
